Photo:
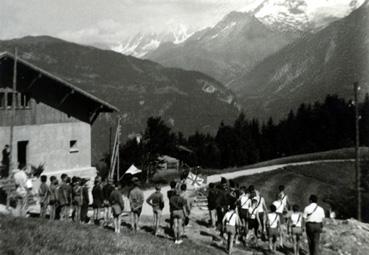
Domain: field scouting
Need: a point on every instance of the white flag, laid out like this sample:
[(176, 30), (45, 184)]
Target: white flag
[(133, 170)]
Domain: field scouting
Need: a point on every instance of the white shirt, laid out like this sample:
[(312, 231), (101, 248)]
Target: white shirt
[(273, 220), (296, 219), (231, 218), (284, 199), (20, 178), (245, 201), (314, 213), (253, 209), (279, 205), (261, 202)]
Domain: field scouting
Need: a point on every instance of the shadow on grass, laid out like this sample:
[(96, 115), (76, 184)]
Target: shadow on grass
[(219, 246), (203, 223), (215, 237)]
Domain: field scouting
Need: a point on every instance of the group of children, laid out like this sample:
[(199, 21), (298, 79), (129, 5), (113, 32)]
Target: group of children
[(64, 199), (108, 198), (242, 214)]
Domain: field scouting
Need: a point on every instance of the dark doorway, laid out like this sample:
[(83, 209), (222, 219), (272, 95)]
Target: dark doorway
[(22, 152)]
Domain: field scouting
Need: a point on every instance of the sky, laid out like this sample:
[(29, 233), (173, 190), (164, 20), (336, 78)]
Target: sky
[(106, 20)]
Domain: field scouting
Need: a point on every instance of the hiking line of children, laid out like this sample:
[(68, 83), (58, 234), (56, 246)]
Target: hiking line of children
[(239, 212), (242, 214)]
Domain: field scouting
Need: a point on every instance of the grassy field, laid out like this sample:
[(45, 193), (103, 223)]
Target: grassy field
[(333, 182), (38, 236)]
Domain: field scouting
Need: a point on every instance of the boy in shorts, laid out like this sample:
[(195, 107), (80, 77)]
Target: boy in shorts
[(44, 194), (296, 223), (230, 222), (179, 208), (136, 200), (53, 199), (245, 204), (156, 201), (117, 204), (273, 228)]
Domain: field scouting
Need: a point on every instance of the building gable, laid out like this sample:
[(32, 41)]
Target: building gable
[(41, 87)]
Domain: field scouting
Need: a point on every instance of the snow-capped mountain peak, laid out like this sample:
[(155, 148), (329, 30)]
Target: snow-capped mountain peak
[(141, 44), (301, 14)]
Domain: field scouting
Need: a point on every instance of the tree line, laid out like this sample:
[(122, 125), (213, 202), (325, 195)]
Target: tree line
[(311, 128)]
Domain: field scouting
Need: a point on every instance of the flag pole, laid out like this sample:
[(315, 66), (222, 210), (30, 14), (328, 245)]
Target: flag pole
[(357, 150), (14, 89)]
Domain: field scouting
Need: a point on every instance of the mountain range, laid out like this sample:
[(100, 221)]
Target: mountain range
[(280, 15), (188, 101), (327, 62), (243, 39), (302, 15), (141, 44), (235, 44)]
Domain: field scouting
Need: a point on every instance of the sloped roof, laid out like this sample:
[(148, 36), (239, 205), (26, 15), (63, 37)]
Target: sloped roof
[(52, 86)]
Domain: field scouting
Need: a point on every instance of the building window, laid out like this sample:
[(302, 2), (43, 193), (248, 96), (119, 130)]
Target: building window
[(9, 100), (23, 101), (2, 100), (73, 146)]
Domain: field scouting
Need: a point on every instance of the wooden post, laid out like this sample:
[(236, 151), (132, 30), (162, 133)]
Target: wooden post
[(115, 155), (11, 149), (357, 151), (118, 145), (13, 107)]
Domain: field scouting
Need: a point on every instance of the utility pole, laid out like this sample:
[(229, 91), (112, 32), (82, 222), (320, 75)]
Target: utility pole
[(11, 149), (357, 150), (14, 89)]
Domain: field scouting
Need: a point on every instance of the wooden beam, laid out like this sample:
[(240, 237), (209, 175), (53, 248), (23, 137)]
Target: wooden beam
[(33, 82), (94, 114), (62, 101)]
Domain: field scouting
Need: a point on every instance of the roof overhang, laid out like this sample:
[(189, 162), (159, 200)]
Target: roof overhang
[(49, 89)]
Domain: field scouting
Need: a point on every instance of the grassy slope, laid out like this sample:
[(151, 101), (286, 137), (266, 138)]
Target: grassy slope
[(164, 177), (37, 236), (332, 182)]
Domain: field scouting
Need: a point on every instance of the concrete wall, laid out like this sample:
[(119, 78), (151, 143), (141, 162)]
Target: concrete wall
[(50, 144)]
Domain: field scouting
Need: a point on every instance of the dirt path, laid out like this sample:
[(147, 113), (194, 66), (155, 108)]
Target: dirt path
[(232, 175)]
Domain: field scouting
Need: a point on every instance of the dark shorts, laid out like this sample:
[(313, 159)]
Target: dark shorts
[(296, 231), (52, 202), (244, 213), (156, 210), (77, 201), (137, 211), (273, 233), (116, 210), (97, 204), (253, 224), (177, 214), (230, 229)]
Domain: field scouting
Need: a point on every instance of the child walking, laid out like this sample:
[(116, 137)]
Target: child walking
[(273, 228), (156, 201), (296, 223), (231, 221)]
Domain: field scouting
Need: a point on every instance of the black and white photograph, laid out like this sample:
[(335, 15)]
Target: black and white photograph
[(184, 127)]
